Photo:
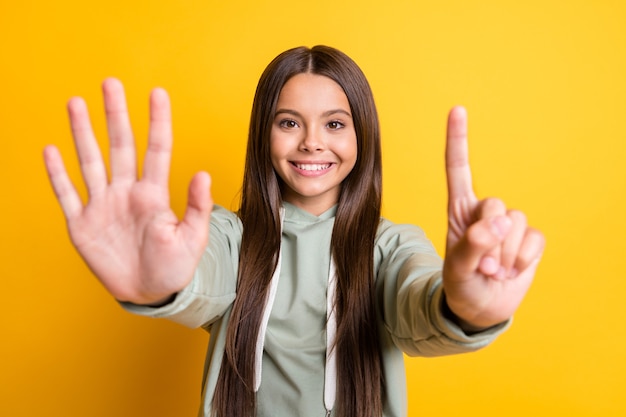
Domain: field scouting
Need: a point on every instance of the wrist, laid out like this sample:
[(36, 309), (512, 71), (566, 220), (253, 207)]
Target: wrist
[(162, 302), (469, 327), (149, 301)]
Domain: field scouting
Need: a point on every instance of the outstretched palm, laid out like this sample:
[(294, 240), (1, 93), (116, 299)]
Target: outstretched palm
[(491, 253), (127, 233)]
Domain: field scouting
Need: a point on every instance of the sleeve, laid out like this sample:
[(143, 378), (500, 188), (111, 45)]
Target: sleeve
[(410, 296), (212, 289)]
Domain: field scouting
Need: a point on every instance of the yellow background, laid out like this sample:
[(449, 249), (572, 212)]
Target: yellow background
[(544, 83)]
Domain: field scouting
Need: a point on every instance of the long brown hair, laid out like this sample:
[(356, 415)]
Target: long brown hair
[(359, 364)]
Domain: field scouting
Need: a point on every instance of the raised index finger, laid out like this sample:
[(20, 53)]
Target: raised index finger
[(457, 161)]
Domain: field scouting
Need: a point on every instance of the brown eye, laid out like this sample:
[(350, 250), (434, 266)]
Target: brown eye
[(288, 124), (334, 125)]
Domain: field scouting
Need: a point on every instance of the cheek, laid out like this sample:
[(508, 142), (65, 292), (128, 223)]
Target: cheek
[(280, 143), (275, 150), (348, 150), (278, 152)]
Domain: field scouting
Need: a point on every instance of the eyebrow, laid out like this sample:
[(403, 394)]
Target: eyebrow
[(325, 114)]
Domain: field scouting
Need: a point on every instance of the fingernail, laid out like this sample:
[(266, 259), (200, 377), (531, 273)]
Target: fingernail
[(501, 274), (501, 225), (489, 266)]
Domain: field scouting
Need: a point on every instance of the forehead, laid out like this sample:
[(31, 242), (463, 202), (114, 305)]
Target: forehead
[(313, 92)]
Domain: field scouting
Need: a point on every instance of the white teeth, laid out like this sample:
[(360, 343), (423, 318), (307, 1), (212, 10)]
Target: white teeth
[(313, 167)]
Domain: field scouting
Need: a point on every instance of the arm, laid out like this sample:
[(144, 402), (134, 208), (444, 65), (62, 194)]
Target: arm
[(491, 258), (126, 233), (410, 290)]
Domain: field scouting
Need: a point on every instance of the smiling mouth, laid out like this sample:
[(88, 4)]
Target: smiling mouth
[(312, 167)]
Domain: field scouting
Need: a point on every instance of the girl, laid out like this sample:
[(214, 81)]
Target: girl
[(310, 297)]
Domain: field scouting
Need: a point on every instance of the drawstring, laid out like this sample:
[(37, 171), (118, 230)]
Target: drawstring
[(258, 353), (330, 373)]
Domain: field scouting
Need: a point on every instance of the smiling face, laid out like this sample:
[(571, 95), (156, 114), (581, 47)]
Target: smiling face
[(313, 143)]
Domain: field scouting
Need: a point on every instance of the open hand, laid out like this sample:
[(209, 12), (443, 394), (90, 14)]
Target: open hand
[(491, 253), (127, 233)]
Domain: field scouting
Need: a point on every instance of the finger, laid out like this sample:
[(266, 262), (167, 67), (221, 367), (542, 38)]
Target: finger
[(89, 156), (121, 141), (61, 184), (468, 256), (158, 155), (195, 224), (531, 249), (491, 264), (457, 160), (513, 241)]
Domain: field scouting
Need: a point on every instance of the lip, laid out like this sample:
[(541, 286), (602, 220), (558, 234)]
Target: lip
[(312, 168)]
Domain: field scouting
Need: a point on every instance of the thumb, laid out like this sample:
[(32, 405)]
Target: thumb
[(470, 254), (195, 224)]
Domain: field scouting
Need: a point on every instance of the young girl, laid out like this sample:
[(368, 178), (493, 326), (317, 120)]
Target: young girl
[(310, 297)]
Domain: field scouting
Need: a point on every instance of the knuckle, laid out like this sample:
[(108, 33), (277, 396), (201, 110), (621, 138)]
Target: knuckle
[(537, 237), (479, 236), (525, 258), (533, 247), (492, 206), (517, 216)]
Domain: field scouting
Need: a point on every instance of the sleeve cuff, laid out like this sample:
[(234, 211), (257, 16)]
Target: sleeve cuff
[(454, 332), (190, 308)]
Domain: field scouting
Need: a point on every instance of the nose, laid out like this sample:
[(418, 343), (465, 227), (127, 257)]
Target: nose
[(312, 141)]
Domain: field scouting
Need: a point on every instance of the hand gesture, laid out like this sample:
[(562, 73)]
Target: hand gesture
[(127, 233), (491, 253)]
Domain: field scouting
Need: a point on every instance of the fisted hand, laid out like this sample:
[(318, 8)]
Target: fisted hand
[(491, 253), (127, 233)]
